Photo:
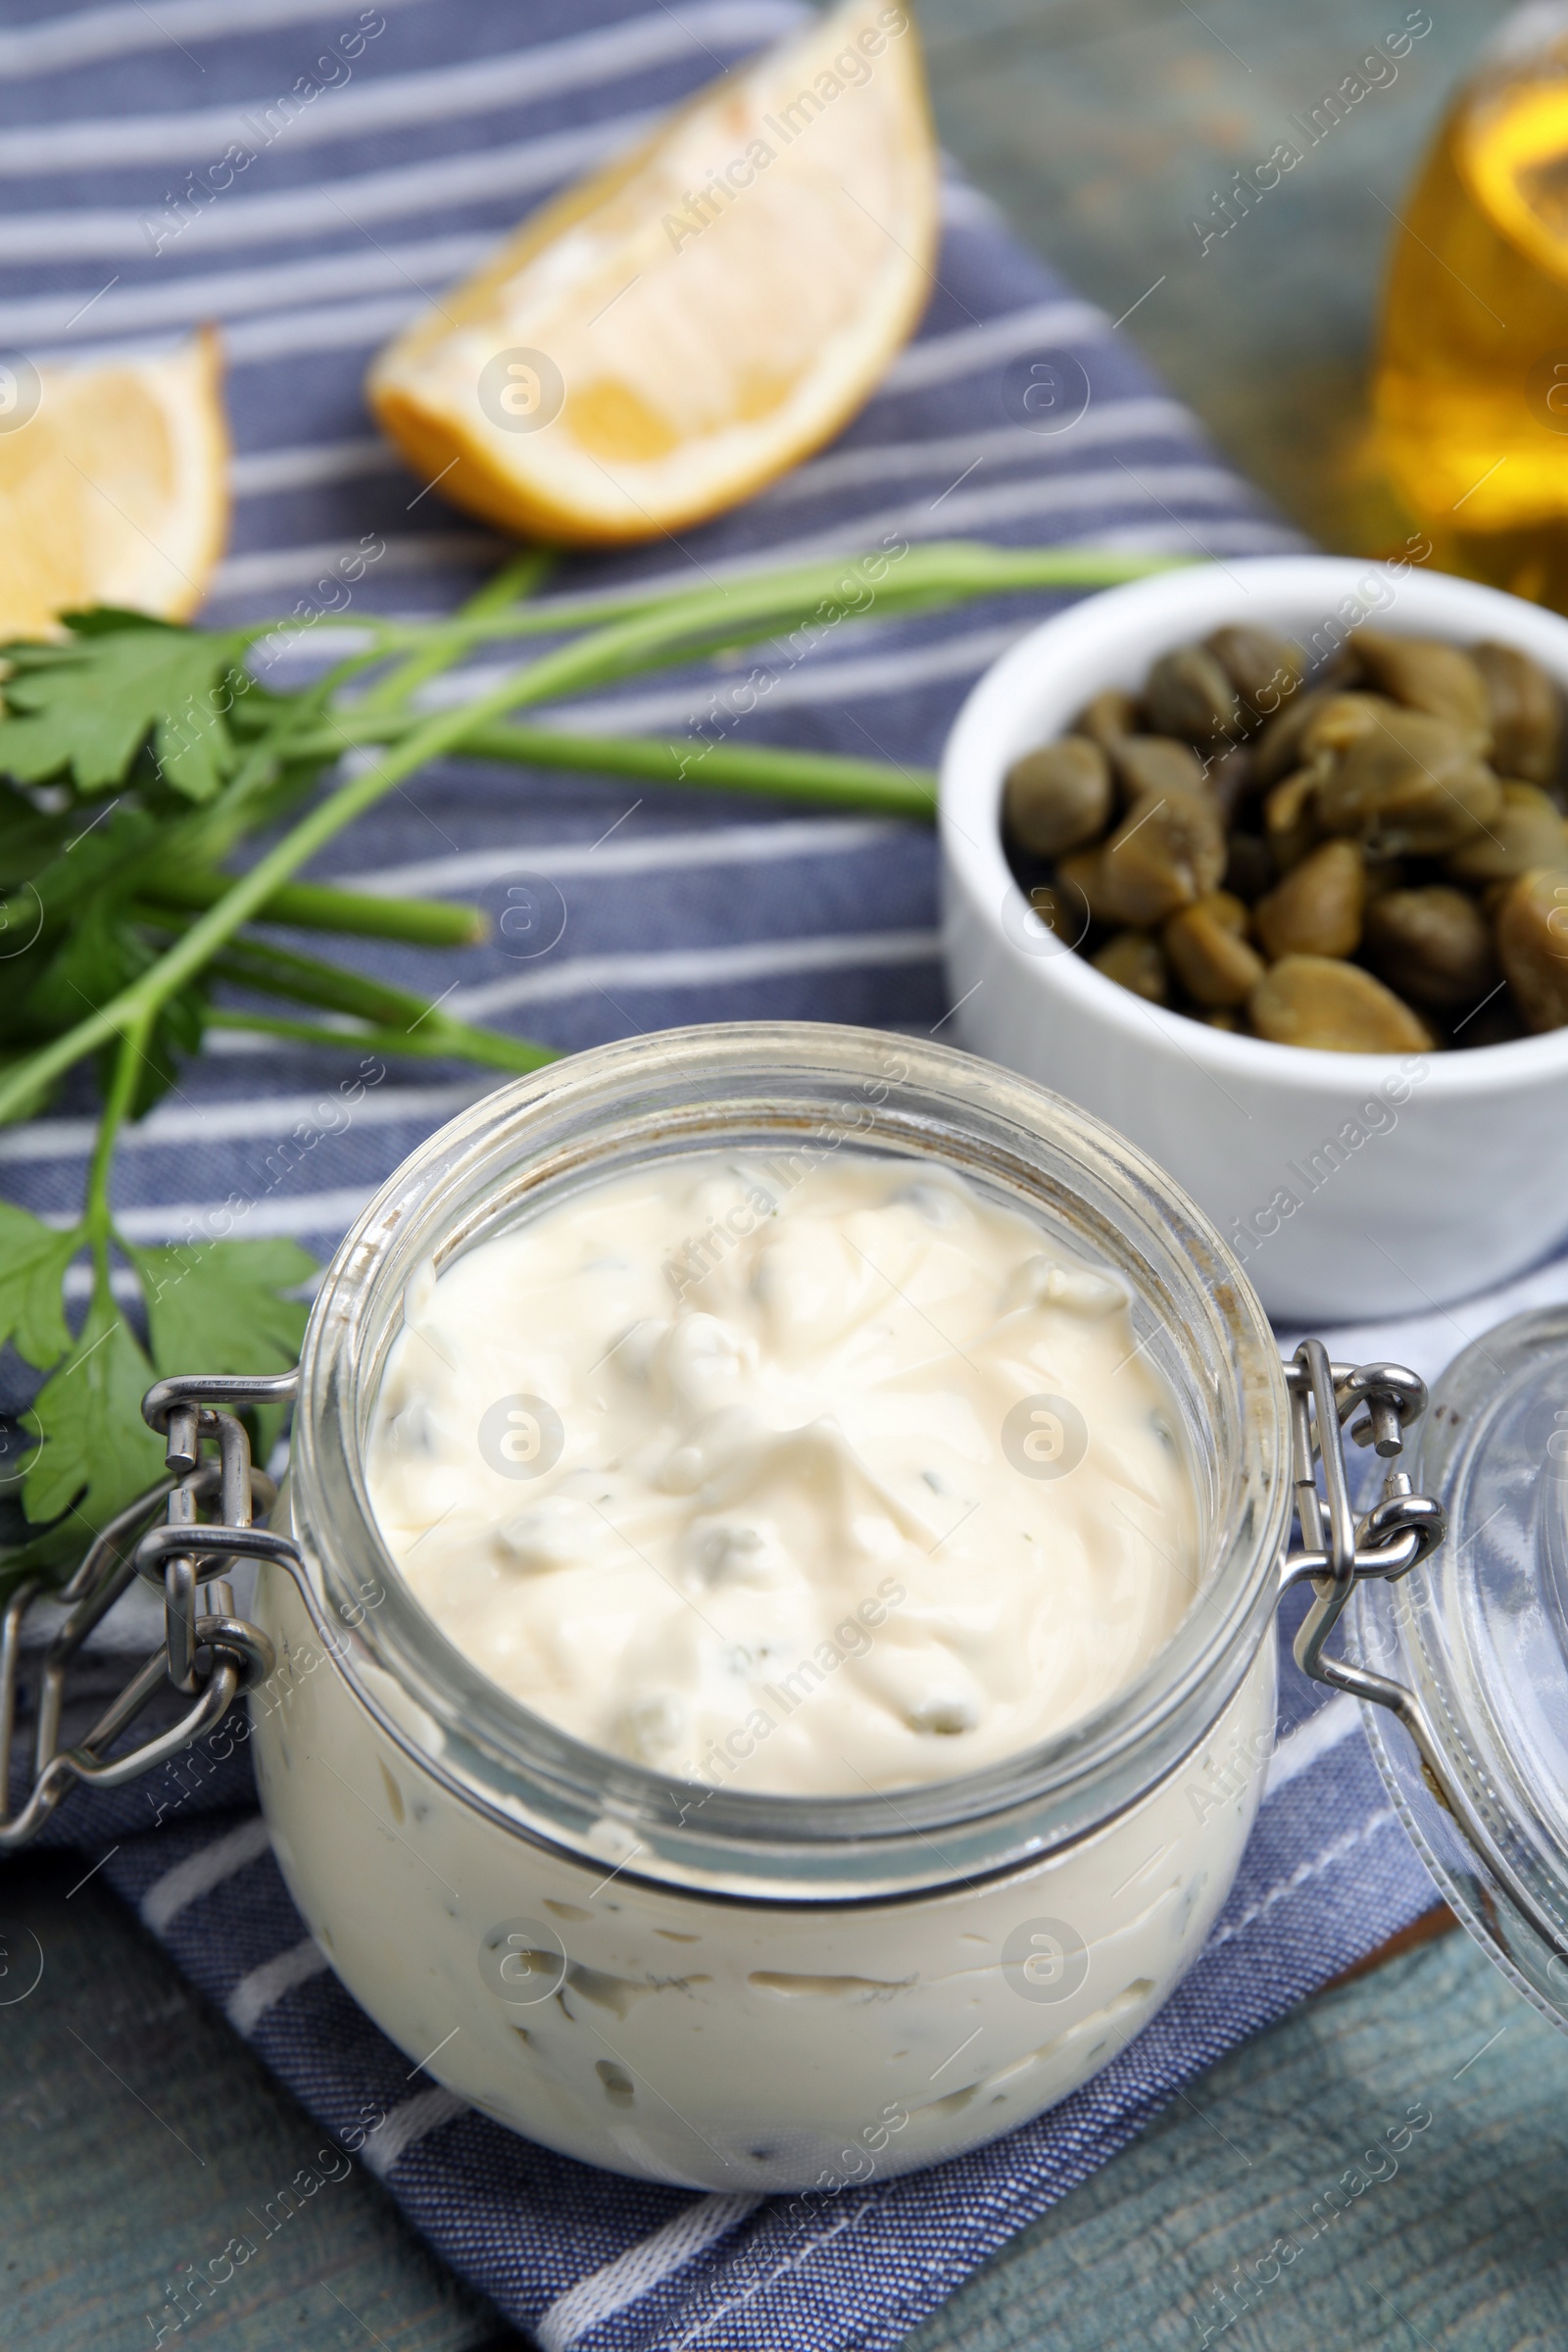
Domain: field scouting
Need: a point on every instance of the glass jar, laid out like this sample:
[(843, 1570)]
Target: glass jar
[(719, 1987)]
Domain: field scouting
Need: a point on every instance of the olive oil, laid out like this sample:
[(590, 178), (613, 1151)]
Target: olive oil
[(1471, 391)]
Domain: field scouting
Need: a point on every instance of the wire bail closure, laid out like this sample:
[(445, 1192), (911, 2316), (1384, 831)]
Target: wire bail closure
[(209, 1654)]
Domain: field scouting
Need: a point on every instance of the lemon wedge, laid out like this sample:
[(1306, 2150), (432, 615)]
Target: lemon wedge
[(661, 340), (114, 486)]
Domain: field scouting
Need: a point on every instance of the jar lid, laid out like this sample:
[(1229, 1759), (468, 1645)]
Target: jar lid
[(1477, 1638)]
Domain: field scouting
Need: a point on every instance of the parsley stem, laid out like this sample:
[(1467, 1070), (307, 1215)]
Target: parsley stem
[(398, 1015), (317, 906), (97, 1215), (487, 1047), (944, 570), (817, 778)]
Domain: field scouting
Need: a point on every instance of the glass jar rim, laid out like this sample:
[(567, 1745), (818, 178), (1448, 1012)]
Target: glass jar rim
[(702, 1089)]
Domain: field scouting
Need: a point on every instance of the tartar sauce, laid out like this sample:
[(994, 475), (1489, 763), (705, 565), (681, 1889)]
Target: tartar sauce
[(784, 1475)]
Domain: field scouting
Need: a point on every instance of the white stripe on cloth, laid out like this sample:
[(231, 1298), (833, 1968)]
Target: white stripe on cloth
[(262, 1989), (354, 109), (1321, 1732), (90, 34), (1005, 445), (201, 1872), (333, 326), (1303, 1871), (638, 2270), (1009, 502), (265, 473), (313, 1213), (725, 844), (419, 268), (413, 190), (172, 1123), (698, 967), (285, 568), (357, 325), (413, 2121), (939, 359)]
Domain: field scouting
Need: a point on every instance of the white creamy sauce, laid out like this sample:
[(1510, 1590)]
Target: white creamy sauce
[(763, 1479)]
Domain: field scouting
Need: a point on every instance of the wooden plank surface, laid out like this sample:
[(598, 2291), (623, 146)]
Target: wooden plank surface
[(139, 2137), (137, 2131), (1456, 2239)]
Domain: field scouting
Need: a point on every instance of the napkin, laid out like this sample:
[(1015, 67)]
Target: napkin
[(439, 124)]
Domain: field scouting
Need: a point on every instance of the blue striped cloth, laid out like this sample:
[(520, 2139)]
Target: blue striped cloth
[(434, 124)]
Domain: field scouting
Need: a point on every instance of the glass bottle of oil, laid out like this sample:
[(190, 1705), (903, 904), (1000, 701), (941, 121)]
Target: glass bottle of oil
[(1471, 390)]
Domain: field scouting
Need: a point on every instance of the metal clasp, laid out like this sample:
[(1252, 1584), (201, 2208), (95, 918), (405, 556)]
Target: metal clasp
[(208, 1654), (1400, 1530)]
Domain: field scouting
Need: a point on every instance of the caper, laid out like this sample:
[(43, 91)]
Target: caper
[(1133, 959), (1148, 764), (1263, 669), (1168, 851), (1279, 747), (1110, 716), (1057, 797), (1189, 692), (1426, 675), (1532, 946), (1342, 718), (1527, 831), (1082, 877), (1433, 944), (1410, 785), (1288, 819), (1317, 910), (1525, 709), (1207, 948), (1320, 1002)]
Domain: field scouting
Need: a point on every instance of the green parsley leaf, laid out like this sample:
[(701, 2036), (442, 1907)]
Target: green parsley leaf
[(96, 1452), (34, 1259), (218, 1307), (86, 707)]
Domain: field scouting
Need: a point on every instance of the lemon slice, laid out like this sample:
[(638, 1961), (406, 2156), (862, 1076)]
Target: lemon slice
[(661, 340), (114, 486)]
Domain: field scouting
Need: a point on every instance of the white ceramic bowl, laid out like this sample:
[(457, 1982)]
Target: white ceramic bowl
[(1351, 1184)]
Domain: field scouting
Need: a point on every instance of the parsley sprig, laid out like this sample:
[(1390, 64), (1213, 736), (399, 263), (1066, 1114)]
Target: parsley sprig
[(138, 761)]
